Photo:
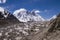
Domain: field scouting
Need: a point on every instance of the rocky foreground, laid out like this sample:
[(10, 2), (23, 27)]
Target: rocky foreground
[(31, 30), (13, 29), (20, 31), (50, 33)]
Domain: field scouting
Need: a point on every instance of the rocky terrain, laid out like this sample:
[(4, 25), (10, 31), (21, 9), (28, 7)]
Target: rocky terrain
[(52, 32), (13, 29)]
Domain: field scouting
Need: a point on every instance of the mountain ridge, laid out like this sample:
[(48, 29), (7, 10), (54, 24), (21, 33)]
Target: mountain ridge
[(25, 16)]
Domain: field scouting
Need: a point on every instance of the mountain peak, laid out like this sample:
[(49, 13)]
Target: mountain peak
[(22, 10), (53, 17), (35, 11), (24, 15)]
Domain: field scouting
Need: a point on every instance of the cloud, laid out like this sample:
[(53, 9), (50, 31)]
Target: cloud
[(2, 1)]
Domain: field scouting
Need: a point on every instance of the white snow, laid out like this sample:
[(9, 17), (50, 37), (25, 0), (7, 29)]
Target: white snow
[(53, 17), (2, 10), (21, 15), (24, 16)]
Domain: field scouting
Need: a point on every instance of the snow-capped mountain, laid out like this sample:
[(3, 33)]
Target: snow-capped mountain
[(24, 16), (35, 16), (53, 17)]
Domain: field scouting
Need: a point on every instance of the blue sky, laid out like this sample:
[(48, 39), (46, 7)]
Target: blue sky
[(48, 8)]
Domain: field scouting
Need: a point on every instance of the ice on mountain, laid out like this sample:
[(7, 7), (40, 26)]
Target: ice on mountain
[(24, 15)]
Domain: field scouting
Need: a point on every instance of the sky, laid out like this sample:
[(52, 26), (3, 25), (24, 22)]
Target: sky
[(47, 8)]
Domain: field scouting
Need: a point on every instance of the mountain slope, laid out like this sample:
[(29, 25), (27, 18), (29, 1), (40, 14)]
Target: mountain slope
[(52, 32), (12, 29), (55, 23), (24, 16), (6, 17), (52, 18)]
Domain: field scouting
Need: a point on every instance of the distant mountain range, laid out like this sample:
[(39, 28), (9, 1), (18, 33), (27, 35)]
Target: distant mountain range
[(23, 15)]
